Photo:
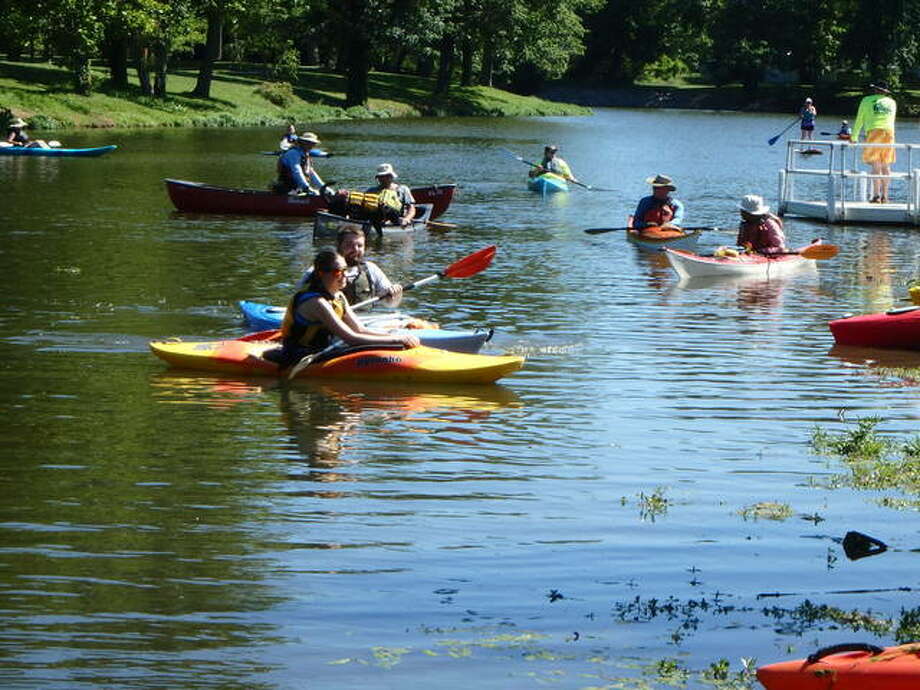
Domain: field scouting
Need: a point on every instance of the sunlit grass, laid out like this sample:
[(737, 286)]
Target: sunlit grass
[(41, 93)]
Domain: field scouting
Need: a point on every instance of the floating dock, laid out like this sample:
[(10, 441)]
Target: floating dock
[(828, 181)]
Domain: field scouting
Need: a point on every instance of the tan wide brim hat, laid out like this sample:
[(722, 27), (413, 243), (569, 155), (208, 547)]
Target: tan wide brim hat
[(661, 181), (18, 122)]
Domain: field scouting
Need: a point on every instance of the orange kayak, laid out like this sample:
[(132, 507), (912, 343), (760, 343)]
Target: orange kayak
[(244, 357), (847, 667)]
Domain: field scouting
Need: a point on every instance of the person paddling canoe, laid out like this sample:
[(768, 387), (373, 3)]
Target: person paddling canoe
[(552, 163), (396, 201), (295, 168), (660, 208), (363, 279), (759, 230), (319, 312)]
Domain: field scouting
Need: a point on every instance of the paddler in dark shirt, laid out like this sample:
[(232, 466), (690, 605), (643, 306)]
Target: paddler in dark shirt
[(659, 209), (15, 135)]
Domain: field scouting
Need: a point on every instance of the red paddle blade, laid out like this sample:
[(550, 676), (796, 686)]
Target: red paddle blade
[(820, 251), (472, 264)]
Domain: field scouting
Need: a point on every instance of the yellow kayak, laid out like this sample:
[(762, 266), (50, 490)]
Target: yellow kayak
[(375, 363)]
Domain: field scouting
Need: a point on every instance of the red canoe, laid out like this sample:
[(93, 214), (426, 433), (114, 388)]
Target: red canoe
[(847, 667), (195, 197), (898, 329)]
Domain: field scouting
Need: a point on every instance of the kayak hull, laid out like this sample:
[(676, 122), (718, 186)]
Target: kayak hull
[(196, 197), (416, 365), (897, 329), (656, 239), (894, 668), (56, 153), (547, 183), (688, 265), (266, 317)]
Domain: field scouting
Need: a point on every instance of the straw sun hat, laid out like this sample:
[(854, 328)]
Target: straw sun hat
[(18, 122), (661, 181)]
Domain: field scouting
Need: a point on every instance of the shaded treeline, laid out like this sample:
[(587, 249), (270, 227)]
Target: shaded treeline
[(516, 44)]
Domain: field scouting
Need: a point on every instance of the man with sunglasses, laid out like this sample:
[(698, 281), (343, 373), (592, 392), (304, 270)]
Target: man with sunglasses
[(364, 279)]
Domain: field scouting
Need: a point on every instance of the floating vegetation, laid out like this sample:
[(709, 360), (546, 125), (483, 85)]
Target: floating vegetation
[(860, 443), (651, 505), (766, 510), (691, 614), (875, 462)]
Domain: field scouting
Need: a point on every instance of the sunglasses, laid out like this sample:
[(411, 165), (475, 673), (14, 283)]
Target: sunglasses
[(337, 272)]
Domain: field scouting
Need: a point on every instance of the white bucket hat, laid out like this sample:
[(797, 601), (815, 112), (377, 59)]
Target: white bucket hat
[(754, 205), (386, 169)]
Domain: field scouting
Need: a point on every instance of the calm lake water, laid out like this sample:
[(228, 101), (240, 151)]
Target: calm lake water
[(568, 528)]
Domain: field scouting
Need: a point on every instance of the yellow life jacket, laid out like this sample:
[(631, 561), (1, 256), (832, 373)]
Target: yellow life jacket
[(389, 198)]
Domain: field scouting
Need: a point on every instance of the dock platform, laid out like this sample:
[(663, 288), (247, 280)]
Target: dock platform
[(834, 185)]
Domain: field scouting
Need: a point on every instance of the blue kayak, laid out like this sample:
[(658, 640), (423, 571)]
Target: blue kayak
[(263, 317), (38, 151), (547, 183)]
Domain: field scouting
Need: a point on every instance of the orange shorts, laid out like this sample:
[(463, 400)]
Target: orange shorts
[(879, 154)]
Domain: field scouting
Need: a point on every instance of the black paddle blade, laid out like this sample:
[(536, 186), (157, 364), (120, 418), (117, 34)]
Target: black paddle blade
[(598, 231), (857, 545)]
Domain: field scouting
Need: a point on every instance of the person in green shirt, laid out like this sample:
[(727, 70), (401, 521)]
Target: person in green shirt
[(552, 163), (876, 114)]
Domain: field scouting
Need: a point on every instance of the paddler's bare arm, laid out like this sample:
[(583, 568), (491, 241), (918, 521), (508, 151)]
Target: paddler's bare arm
[(348, 329)]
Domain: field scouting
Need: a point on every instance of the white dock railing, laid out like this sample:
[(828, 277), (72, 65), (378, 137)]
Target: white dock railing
[(847, 183)]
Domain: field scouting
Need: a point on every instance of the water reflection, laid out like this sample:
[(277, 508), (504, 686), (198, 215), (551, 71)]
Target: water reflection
[(323, 418), (894, 367)]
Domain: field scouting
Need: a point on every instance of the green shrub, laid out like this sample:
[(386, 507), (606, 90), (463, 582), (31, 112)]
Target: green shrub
[(281, 93)]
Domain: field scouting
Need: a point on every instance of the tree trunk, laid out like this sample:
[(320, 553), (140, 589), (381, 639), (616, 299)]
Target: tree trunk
[(357, 58), (118, 62), (466, 63), (160, 57), (488, 63), (211, 52), (143, 70), (445, 65)]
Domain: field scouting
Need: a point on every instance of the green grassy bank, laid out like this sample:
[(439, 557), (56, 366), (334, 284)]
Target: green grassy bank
[(42, 94)]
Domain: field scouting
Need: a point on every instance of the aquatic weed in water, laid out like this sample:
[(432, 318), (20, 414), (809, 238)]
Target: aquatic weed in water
[(862, 442)]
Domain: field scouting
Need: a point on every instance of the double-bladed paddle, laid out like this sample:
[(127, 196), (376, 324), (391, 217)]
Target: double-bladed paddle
[(598, 231), (590, 188), (819, 251), (468, 266)]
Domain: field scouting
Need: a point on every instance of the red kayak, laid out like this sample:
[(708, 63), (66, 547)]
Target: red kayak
[(196, 197), (847, 667), (898, 329)]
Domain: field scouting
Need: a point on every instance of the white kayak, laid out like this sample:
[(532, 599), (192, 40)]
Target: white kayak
[(688, 265)]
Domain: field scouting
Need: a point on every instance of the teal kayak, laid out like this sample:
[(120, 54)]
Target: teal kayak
[(38, 151), (263, 317), (548, 183)]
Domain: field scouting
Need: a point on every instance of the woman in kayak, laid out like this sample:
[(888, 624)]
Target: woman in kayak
[(319, 312), (760, 231)]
